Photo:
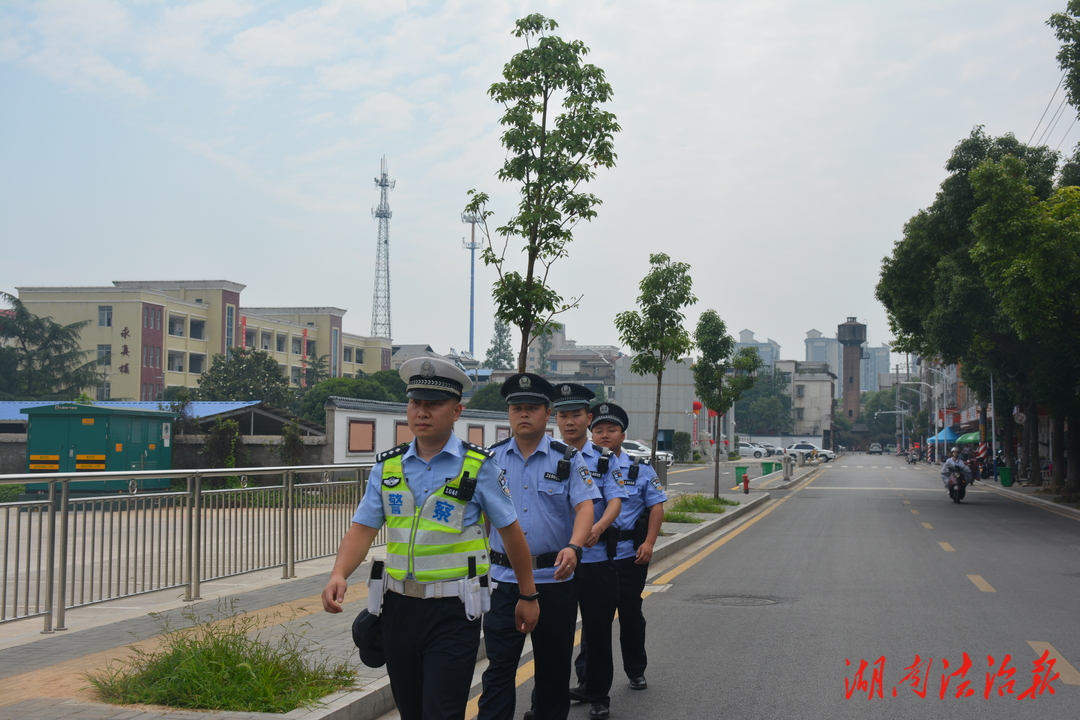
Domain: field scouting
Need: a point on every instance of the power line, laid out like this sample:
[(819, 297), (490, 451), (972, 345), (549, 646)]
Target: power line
[(1053, 121), (1047, 108), (1066, 134)]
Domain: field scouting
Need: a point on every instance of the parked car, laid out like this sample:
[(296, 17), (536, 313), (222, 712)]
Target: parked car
[(875, 449), (771, 449), (808, 448), (637, 448), (751, 450)]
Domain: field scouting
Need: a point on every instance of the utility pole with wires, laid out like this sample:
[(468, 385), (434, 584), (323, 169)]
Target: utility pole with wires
[(380, 303), (472, 246)]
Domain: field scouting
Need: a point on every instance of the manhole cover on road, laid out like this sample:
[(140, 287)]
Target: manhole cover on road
[(737, 601)]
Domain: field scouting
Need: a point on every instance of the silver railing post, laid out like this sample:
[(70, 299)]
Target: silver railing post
[(189, 539), (61, 591), (196, 539), (50, 556), (288, 570)]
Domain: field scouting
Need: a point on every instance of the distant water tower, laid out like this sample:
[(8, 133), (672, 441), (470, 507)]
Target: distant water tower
[(851, 335)]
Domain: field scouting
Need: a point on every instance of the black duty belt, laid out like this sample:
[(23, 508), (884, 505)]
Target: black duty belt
[(538, 561), (626, 535)]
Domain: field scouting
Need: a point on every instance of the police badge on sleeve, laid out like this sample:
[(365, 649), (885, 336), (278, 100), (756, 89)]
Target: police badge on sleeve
[(503, 485), (586, 476)]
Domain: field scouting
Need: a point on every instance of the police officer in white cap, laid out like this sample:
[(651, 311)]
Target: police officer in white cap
[(431, 494), (553, 493)]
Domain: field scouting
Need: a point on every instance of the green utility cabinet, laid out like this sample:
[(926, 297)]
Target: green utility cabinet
[(74, 438)]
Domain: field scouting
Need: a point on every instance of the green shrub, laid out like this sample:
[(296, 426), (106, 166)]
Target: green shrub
[(10, 493), (681, 446), (680, 517), (733, 456), (700, 504), (215, 665)]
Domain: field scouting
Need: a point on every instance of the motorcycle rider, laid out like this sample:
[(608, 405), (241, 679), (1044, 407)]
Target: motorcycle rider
[(954, 464)]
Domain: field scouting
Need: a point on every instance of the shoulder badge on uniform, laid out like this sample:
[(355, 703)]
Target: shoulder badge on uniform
[(477, 448), (501, 442), (586, 477), (392, 452), (656, 483)]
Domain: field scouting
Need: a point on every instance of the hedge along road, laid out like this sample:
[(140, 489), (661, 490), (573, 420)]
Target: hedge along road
[(868, 561)]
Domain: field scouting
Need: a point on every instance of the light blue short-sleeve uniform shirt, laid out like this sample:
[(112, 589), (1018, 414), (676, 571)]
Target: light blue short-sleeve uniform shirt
[(544, 504), (641, 494), (492, 497), (610, 485)]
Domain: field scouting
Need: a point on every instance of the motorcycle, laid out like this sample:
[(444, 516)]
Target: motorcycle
[(957, 485), (912, 458)]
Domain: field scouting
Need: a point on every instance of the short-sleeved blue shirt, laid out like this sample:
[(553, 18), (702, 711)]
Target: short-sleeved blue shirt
[(641, 494), (544, 504), (610, 485), (424, 478)]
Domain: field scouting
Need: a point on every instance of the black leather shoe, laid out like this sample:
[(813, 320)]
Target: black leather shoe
[(577, 693), (529, 715), (638, 683), (599, 711)]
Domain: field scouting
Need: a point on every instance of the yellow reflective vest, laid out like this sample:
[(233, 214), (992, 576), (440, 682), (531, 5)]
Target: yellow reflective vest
[(431, 542)]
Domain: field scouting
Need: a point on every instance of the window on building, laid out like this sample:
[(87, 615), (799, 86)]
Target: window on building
[(198, 329), (196, 363), (267, 340), (281, 339), (476, 435), (347, 354), (402, 433), (176, 326), (104, 391), (104, 354), (249, 338), (851, 379), (311, 348), (104, 316), (230, 329), (799, 413), (176, 361), (553, 364), (800, 390), (361, 436), (296, 345), (295, 377), (359, 356), (850, 413), (157, 356), (335, 343)]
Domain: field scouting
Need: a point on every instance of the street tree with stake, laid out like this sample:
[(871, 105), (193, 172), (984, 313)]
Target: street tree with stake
[(722, 375), (551, 154), (656, 332)]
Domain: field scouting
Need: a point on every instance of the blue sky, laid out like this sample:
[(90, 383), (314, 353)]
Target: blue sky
[(778, 147)]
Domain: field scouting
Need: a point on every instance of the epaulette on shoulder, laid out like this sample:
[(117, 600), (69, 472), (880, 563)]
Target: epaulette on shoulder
[(392, 452), (476, 448), (562, 447), (501, 442), (602, 450)]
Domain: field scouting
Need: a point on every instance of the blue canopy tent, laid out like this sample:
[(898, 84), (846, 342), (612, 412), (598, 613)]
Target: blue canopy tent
[(945, 436)]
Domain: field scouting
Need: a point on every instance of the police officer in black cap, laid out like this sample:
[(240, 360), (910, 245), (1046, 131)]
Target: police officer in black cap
[(598, 582), (553, 493), (432, 494)]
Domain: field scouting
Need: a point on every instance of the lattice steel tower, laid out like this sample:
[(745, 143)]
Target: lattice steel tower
[(380, 303)]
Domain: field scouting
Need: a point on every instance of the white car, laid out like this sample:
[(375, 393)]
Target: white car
[(809, 448), (636, 448), (751, 450)]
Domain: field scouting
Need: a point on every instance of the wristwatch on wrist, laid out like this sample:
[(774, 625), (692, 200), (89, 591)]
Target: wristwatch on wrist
[(576, 549), (531, 598)]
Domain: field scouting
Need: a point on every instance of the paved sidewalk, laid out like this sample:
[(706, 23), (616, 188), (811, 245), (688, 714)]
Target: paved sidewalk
[(42, 676)]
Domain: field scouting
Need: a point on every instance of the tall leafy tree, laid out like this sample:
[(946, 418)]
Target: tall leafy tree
[(656, 332), (488, 397), (766, 407), (721, 375), (40, 358), (542, 364), (248, 374), (556, 133), (1067, 30), (500, 356), (392, 383), (312, 406)]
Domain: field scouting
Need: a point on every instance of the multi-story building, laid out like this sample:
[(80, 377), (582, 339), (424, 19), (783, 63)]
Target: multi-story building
[(151, 335), (811, 386), (637, 396), (769, 351), (828, 350)]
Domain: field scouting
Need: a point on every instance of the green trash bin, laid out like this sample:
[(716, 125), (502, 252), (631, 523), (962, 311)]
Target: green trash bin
[(740, 470), (767, 468), (1005, 476)]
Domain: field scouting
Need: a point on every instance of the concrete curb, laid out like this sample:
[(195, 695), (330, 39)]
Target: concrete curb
[(678, 542), (1029, 497)]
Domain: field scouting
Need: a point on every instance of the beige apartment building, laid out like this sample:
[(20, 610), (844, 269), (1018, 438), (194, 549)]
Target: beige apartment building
[(151, 335)]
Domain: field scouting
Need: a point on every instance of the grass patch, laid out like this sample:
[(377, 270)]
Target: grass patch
[(680, 517), (215, 665), (10, 493), (700, 504)]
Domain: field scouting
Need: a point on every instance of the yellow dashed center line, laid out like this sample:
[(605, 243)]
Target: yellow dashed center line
[(981, 584), (914, 512), (928, 526), (1069, 674), (948, 548)]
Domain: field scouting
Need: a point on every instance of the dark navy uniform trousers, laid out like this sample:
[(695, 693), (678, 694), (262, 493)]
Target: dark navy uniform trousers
[(431, 650), (553, 650), (631, 625)]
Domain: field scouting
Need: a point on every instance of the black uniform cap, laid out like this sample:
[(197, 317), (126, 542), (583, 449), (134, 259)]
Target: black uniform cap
[(527, 388), (571, 396), (609, 412), (368, 638)]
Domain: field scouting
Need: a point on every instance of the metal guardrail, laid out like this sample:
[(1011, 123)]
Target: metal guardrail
[(64, 551)]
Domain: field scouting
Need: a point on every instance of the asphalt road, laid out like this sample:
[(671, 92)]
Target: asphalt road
[(868, 561)]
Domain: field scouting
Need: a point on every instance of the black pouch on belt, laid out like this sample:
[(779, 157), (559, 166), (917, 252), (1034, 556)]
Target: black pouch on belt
[(611, 538), (641, 529)]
